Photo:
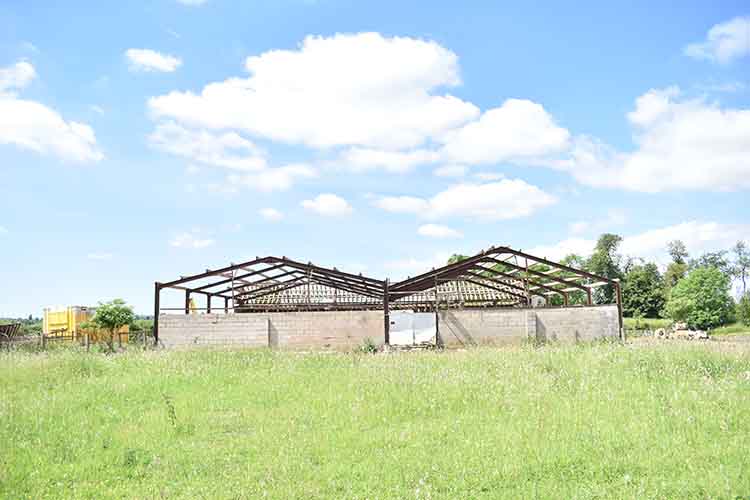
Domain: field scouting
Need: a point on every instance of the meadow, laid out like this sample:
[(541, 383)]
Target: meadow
[(666, 420)]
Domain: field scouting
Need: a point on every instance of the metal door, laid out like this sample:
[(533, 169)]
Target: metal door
[(410, 328)]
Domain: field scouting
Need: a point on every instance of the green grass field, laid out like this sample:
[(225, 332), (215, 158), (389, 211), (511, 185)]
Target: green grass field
[(597, 421)]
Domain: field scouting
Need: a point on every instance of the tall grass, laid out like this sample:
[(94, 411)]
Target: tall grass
[(598, 421)]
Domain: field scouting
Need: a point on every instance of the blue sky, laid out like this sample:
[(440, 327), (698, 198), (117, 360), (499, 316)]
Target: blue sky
[(144, 140)]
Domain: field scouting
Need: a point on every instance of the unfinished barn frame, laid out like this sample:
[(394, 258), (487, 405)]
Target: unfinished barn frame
[(498, 278)]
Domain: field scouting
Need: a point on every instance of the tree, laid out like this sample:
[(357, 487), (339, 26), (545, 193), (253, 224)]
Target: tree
[(112, 316), (643, 291), (678, 268), (743, 310), (457, 257), (605, 261), (717, 260), (701, 299), (741, 264), (677, 251)]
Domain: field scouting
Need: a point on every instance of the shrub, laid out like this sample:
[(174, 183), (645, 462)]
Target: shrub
[(368, 346), (701, 299), (743, 310)]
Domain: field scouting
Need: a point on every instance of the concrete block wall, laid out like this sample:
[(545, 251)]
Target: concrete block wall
[(339, 330), (185, 330), (577, 323), (486, 326), (346, 330), (505, 326)]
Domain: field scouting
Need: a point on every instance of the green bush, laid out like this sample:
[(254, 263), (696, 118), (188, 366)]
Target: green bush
[(701, 299), (743, 310)]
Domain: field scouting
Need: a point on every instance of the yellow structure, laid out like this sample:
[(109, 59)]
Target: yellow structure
[(67, 321)]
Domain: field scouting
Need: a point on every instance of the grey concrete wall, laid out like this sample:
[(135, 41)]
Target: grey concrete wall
[(184, 330), (577, 323), (486, 326), (505, 326), (345, 330), (340, 330)]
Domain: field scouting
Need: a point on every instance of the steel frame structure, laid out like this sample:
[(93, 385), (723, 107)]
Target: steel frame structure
[(497, 277)]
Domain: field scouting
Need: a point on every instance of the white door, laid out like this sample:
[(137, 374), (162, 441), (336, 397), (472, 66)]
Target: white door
[(410, 328)]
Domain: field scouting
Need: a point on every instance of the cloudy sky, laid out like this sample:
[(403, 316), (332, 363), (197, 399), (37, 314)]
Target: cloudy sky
[(147, 139)]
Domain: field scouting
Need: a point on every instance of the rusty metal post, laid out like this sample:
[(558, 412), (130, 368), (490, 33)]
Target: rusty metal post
[(157, 293), (226, 305), (588, 294), (187, 301), (386, 315), (437, 315), (208, 303)]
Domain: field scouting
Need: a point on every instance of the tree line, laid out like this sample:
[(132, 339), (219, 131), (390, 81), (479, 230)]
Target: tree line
[(697, 291)]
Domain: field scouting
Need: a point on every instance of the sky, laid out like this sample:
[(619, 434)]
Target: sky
[(144, 140)]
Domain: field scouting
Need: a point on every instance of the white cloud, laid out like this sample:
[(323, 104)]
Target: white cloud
[(519, 130), (191, 240), (273, 179), (489, 176), (328, 204), (192, 2), (33, 126), (438, 231), (99, 256), (402, 204), (609, 223), (681, 144), (16, 77), (360, 159), (96, 109), (578, 246), (730, 87), (506, 199), (271, 214), (228, 149), (349, 89), (413, 266), (724, 42), (451, 171), (150, 60), (698, 236)]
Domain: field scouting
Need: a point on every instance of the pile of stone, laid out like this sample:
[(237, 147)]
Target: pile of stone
[(681, 331)]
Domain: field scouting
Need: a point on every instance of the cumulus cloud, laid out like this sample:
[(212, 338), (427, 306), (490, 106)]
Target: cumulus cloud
[(16, 77), (681, 144), (228, 149), (724, 42), (271, 214), (505, 199), (151, 60), (272, 179), (31, 125), (328, 204), (516, 131), (698, 236), (190, 240), (346, 90), (359, 159), (451, 171), (411, 266), (438, 231)]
